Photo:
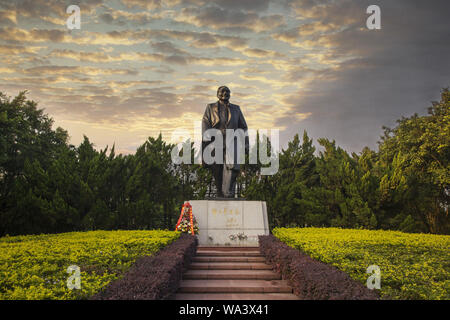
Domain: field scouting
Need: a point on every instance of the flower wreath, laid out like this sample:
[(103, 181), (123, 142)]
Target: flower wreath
[(187, 222)]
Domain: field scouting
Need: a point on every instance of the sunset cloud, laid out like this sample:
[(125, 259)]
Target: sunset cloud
[(137, 68), (8, 18), (220, 18)]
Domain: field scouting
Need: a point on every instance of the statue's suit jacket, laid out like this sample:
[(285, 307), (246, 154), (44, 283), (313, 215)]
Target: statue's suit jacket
[(235, 121)]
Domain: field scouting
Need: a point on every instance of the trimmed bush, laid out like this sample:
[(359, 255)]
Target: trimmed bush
[(311, 279), (154, 277)]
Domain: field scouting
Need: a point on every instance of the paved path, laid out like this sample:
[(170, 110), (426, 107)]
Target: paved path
[(232, 274)]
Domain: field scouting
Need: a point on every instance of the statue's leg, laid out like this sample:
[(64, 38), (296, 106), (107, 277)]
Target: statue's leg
[(226, 181), (234, 175), (229, 181), (217, 170)]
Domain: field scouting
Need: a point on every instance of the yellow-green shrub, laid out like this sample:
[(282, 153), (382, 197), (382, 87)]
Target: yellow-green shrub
[(413, 266), (34, 267)]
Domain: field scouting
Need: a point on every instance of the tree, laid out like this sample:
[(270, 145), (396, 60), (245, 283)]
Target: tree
[(297, 174), (416, 156), (341, 176), (28, 146), (47, 185)]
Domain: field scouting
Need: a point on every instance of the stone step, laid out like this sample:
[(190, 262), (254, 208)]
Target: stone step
[(203, 248), (228, 259), (232, 274), (230, 266), (235, 296), (211, 253), (234, 286)]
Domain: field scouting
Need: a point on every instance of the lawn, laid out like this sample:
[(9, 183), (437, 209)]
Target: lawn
[(35, 267)]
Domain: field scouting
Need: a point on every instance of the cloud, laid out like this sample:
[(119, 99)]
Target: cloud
[(235, 5), (16, 49), (273, 81), (147, 4), (16, 35), (122, 18), (203, 40), (8, 18), (260, 53), (195, 39), (42, 8), (168, 47), (315, 29), (7, 70), (77, 70), (254, 5), (148, 66), (47, 82), (219, 18), (220, 61), (378, 76), (105, 57), (180, 58), (129, 84)]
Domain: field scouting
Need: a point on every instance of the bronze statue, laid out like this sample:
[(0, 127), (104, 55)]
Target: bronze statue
[(223, 115)]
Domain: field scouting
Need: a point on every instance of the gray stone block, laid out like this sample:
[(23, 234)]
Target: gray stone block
[(221, 221)]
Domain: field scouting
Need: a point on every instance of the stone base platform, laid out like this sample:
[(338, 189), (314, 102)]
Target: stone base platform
[(232, 223)]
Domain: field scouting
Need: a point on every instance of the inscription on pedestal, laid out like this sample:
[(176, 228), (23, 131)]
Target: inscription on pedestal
[(225, 214), (230, 223)]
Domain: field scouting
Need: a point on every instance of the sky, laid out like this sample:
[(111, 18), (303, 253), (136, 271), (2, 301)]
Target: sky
[(136, 68)]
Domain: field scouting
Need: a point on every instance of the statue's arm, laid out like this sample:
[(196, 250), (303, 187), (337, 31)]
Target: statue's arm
[(242, 124), (206, 120), (206, 124)]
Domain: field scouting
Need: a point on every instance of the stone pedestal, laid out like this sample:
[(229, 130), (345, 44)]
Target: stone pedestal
[(235, 223)]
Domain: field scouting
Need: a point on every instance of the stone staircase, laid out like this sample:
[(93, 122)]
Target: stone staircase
[(232, 273)]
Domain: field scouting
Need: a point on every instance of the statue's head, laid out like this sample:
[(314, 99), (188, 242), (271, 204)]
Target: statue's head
[(223, 93)]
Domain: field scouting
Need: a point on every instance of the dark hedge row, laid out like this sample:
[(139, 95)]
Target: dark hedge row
[(311, 279), (154, 277)]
